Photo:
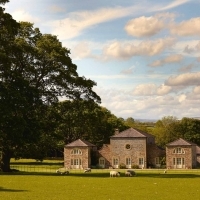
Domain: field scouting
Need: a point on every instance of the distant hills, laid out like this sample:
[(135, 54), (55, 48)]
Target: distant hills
[(146, 120), (155, 120)]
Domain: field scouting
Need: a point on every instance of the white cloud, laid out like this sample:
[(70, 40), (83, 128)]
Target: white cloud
[(151, 89), (197, 90), (78, 21), (163, 90), (182, 98), (125, 50), (22, 15), (174, 4), (145, 89), (81, 50), (187, 28), (131, 105), (187, 68), (144, 26), (187, 79), (169, 59)]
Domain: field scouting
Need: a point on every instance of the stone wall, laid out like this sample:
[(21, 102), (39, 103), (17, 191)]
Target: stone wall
[(120, 151), (154, 151), (106, 154), (85, 157), (188, 157)]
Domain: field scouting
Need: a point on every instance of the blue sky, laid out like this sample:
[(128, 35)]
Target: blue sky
[(144, 55)]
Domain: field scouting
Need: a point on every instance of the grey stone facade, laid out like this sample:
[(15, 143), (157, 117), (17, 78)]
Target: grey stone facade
[(77, 155), (132, 148), (128, 148), (181, 154)]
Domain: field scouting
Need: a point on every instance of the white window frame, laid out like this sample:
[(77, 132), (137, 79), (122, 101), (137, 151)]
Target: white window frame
[(141, 162), (76, 163), (178, 150), (76, 152), (179, 162), (102, 162), (115, 162)]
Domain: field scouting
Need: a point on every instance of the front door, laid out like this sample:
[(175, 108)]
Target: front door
[(180, 163), (76, 163)]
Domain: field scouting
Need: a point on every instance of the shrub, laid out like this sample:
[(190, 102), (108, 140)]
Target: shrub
[(135, 166), (122, 166)]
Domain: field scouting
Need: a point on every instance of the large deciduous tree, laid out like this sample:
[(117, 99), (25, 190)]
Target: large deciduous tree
[(35, 70)]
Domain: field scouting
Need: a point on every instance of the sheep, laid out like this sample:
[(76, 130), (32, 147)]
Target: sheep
[(114, 173), (62, 171), (131, 172), (87, 170), (128, 173)]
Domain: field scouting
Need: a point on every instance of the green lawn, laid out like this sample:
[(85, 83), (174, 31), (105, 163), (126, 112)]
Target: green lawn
[(97, 185)]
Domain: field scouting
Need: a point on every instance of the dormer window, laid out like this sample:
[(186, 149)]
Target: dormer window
[(178, 150), (76, 152)]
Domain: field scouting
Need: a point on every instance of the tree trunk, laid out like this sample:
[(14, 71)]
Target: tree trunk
[(5, 161)]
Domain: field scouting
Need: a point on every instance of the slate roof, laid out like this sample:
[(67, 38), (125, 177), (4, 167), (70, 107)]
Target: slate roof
[(80, 143), (130, 133), (180, 142)]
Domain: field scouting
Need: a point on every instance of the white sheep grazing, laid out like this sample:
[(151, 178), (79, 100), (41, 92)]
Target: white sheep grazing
[(114, 173)]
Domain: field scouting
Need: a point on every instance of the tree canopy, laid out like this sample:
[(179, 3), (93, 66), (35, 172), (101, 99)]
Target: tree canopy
[(35, 70)]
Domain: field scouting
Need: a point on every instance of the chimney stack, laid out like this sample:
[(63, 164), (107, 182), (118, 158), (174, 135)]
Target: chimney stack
[(116, 131)]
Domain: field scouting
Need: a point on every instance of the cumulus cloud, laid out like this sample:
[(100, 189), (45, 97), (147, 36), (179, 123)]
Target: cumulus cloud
[(144, 26), (187, 68), (187, 28), (170, 59), (197, 90), (187, 79), (188, 49), (163, 90), (81, 50), (125, 50), (145, 89), (151, 90), (128, 104), (78, 21)]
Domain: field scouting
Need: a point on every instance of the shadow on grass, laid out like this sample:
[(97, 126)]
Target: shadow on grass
[(105, 175), (37, 163), (10, 190), (176, 175)]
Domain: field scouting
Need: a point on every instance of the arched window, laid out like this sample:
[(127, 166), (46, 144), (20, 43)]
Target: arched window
[(102, 162), (76, 152), (115, 161), (178, 150)]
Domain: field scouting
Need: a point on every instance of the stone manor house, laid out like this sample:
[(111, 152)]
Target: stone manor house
[(131, 148)]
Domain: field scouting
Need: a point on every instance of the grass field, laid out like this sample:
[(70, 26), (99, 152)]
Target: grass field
[(97, 185)]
